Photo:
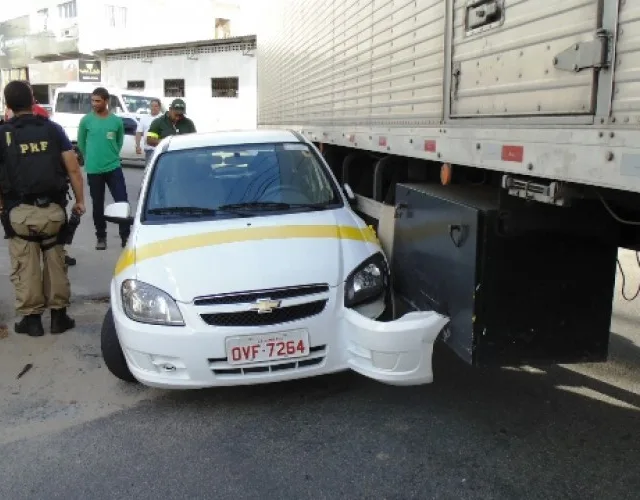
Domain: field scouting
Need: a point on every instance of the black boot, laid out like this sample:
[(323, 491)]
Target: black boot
[(30, 325), (60, 322)]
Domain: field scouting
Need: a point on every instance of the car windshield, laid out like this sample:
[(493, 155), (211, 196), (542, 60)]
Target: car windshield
[(239, 181), (137, 103)]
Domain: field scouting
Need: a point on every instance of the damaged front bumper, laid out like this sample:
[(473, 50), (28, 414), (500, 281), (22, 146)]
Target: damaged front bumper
[(398, 352)]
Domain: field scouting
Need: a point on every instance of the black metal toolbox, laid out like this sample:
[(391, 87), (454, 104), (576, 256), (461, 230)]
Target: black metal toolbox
[(523, 282)]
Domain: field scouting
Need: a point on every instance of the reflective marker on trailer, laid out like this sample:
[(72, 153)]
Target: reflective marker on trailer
[(430, 146), (513, 153)]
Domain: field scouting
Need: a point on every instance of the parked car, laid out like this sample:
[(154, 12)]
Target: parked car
[(246, 264)]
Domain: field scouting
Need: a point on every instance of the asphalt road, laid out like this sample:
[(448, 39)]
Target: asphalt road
[(69, 430)]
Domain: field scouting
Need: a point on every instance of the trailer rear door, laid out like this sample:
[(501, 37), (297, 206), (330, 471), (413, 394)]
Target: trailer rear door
[(525, 57)]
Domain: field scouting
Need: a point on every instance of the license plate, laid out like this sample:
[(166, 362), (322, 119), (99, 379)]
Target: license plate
[(267, 347)]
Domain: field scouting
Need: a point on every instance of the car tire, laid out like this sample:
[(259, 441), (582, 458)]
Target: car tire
[(111, 350)]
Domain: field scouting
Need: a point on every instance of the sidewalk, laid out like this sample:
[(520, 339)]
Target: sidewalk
[(56, 381)]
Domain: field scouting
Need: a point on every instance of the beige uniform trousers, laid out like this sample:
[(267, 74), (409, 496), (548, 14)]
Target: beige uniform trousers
[(37, 287)]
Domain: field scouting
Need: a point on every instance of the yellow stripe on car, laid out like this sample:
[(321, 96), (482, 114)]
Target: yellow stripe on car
[(190, 242)]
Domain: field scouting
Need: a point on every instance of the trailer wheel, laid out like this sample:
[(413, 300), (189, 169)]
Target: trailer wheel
[(111, 350)]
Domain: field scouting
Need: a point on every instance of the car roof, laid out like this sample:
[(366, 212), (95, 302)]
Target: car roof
[(230, 138), (87, 88)]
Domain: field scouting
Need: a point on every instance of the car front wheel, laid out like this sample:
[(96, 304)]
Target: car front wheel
[(111, 350)]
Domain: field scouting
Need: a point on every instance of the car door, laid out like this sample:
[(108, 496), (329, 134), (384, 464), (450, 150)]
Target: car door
[(128, 152), (130, 121)]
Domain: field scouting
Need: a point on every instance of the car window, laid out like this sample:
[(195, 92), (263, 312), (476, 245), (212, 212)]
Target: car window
[(114, 103), (139, 104), (212, 177), (73, 102)]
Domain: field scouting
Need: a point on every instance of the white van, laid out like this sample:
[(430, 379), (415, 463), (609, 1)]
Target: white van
[(73, 101)]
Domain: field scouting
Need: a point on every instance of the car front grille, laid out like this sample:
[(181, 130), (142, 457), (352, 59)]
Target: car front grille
[(277, 316), (254, 295)]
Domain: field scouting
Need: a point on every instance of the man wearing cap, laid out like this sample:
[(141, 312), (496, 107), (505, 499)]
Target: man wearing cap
[(173, 122)]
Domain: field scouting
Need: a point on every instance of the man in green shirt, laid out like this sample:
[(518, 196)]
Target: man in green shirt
[(100, 139), (173, 122)]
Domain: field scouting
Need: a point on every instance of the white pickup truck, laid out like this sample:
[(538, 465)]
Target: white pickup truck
[(73, 101)]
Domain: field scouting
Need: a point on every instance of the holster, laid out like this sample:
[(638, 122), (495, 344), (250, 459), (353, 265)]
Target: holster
[(6, 223), (64, 236)]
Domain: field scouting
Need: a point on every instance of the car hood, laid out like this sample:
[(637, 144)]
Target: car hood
[(233, 255)]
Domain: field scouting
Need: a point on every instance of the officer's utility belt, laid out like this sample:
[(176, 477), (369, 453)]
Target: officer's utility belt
[(40, 201), (41, 238)]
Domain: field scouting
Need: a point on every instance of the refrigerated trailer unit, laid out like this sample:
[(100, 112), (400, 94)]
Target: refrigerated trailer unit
[(494, 144)]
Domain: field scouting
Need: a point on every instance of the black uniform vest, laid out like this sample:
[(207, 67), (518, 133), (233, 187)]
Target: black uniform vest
[(31, 158)]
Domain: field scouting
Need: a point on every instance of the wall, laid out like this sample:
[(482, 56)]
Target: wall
[(153, 22), (98, 26), (14, 43), (208, 113)]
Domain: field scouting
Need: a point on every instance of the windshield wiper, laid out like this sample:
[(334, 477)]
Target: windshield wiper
[(258, 205), (310, 205), (182, 211), (271, 205)]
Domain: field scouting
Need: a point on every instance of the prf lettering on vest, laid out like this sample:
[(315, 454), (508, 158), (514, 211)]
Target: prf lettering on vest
[(34, 147)]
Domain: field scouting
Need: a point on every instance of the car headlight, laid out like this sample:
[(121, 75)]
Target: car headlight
[(147, 304), (367, 282)]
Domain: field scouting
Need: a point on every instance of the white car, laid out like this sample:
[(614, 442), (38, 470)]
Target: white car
[(246, 264)]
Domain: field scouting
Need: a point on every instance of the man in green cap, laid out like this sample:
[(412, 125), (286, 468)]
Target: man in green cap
[(173, 122)]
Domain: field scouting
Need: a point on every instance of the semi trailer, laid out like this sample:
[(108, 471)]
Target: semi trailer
[(494, 145)]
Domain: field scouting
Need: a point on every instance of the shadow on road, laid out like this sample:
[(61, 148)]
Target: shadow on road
[(512, 432)]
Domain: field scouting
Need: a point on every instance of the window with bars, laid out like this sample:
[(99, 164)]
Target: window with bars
[(135, 85), (225, 87), (223, 28), (174, 88), (67, 10), (116, 16), (42, 17)]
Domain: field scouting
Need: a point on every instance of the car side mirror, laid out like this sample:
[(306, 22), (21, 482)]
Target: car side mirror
[(118, 213), (350, 195)]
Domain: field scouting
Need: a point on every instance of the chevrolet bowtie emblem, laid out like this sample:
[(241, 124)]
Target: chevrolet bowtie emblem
[(263, 306)]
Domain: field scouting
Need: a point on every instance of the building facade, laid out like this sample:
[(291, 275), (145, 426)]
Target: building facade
[(216, 78), (56, 41)]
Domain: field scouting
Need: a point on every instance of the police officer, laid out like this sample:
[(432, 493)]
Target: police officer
[(36, 157)]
